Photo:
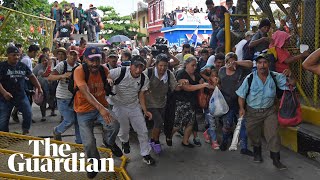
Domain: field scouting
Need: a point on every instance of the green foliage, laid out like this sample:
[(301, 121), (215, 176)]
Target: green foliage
[(115, 24), (18, 27), (33, 7)]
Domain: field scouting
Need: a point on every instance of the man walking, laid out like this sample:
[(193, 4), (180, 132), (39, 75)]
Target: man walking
[(12, 90), (90, 105), (258, 91), (62, 73), (92, 22), (130, 106)]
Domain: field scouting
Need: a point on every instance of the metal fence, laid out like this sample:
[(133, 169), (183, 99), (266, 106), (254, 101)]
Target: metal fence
[(303, 17), (25, 29), (14, 143)]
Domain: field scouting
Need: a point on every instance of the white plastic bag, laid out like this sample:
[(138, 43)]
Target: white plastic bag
[(217, 104)]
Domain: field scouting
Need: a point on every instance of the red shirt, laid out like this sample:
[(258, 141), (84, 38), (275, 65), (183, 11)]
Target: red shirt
[(282, 55)]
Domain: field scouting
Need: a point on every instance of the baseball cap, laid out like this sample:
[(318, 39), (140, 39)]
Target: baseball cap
[(73, 49), (187, 56), (12, 49), (138, 60), (249, 33), (92, 52), (135, 52), (262, 55), (112, 53)]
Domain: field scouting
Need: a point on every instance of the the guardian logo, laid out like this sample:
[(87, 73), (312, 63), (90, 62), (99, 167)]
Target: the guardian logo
[(56, 157)]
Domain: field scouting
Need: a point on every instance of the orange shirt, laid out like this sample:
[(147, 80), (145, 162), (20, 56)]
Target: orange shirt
[(95, 85)]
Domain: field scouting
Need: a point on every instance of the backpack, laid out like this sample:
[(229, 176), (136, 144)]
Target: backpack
[(279, 92), (74, 89), (247, 52), (289, 113)]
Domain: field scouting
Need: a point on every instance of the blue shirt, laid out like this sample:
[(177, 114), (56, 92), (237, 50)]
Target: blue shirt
[(261, 95)]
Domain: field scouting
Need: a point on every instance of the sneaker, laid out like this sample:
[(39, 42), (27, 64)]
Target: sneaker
[(25, 132), (56, 136), (126, 147), (148, 160), (151, 142), (115, 149), (206, 137), (196, 141), (43, 119), (156, 148), (215, 145)]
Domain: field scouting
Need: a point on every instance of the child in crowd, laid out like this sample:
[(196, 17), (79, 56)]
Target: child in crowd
[(210, 133)]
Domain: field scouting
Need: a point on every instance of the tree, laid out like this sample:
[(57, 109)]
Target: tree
[(115, 24), (23, 29), (34, 7)]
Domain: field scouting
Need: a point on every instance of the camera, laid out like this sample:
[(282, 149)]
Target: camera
[(161, 46)]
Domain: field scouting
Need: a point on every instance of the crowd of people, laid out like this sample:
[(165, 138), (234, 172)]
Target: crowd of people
[(169, 19), (75, 20), (123, 88)]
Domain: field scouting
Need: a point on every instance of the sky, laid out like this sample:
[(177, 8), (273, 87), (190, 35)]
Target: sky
[(123, 7)]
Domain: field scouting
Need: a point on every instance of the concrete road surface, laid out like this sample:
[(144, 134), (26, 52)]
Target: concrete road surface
[(178, 162)]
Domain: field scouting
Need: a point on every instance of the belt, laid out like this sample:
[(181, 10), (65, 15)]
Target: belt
[(260, 110)]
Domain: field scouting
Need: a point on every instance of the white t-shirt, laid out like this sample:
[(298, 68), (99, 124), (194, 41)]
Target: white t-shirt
[(27, 61), (180, 57), (239, 48), (62, 88), (127, 90), (211, 60)]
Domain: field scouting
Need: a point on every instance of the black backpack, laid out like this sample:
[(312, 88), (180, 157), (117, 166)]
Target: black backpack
[(279, 92), (248, 52), (74, 89)]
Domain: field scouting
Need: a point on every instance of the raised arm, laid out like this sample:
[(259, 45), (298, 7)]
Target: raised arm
[(312, 62)]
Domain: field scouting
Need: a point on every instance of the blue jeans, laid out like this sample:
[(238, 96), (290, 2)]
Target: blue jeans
[(69, 118), (212, 125), (23, 105), (217, 36), (228, 121), (243, 135), (86, 124)]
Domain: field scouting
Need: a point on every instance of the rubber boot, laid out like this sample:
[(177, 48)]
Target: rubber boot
[(275, 156), (257, 157)]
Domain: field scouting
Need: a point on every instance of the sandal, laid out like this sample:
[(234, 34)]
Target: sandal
[(187, 145)]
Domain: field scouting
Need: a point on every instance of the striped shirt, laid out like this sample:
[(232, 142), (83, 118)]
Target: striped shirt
[(127, 90), (62, 89)]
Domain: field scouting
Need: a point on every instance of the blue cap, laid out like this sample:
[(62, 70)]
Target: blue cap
[(92, 52), (12, 49)]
